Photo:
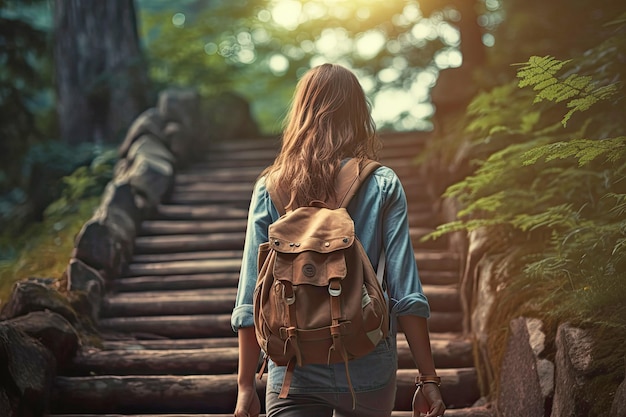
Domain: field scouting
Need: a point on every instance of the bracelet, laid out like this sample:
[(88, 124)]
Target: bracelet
[(427, 379)]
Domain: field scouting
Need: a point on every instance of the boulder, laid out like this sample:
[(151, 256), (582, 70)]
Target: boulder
[(150, 176), (28, 369), (152, 146), (230, 117), (181, 108), (150, 122), (526, 380), (100, 247), (37, 294), (52, 331), (618, 407), (575, 368), (81, 277)]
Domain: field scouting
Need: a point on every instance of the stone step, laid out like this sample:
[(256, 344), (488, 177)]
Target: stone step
[(131, 359), (222, 300), (218, 325), (127, 394)]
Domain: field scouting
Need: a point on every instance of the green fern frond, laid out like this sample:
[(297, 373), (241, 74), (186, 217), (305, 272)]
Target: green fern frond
[(579, 91), (562, 216), (620, 203), (584, 150)]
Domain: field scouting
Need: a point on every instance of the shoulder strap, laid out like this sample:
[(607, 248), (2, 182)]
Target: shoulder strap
[(348, 181)]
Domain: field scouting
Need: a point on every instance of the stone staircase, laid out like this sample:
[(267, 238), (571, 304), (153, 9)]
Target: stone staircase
[(168, 348)]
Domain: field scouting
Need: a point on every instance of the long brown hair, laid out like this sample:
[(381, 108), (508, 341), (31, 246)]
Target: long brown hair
[(329, 120)]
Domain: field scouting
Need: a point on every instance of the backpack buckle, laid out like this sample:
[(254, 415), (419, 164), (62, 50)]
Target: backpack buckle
[(335, 292), (289, 300)]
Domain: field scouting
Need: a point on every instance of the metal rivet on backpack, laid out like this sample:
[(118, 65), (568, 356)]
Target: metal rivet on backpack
[(346, 240), (277, 242), (297, 245), (327, 244), (292, 244)]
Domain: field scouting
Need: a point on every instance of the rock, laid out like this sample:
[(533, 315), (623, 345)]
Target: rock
[(150, 176), (618, 408), (575, 367), (151, 146), (81, 277), (35, 294), (100, 247), (149, 122), (181, 108), (52, 331), (28, 369), (522, 391), (230, 117)]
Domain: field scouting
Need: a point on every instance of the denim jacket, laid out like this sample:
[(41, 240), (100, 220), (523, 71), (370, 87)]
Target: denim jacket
[(379, 211)]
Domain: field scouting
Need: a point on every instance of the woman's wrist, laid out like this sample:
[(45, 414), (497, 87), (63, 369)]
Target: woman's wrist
[(420, 380)]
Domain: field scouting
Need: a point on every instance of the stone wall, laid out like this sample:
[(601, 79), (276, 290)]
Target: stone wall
[(46, 320)]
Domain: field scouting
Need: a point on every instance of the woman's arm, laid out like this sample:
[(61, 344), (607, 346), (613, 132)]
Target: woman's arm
[(416, 331), (248, 403)]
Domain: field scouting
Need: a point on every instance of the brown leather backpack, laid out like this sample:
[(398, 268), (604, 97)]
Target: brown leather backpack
[(317, 298)]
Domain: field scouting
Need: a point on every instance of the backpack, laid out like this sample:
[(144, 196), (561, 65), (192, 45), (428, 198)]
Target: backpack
[(317, 298)]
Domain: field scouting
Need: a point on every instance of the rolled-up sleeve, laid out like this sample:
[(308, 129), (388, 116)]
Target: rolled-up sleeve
[(403, 283), (261, 214)]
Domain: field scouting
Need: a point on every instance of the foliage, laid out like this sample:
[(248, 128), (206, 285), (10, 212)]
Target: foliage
[(540, 73), (246, 47), (43, 248), (547, 186), (25, 88)]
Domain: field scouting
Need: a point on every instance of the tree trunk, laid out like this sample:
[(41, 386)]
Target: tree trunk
[(100, 73)]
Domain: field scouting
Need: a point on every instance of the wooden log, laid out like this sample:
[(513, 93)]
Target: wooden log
[(186, 256), (204, 343), (175, 282), (218, 325), (215, 187), (170, 227), (447, 353), (212, 393), (438, 260), (170, 304), (196, 266), (451, 412), (207, 361), (459, 387), (195, 357), (238, 198), (146, 394), (177, 243), (177, 327), (197, 212)]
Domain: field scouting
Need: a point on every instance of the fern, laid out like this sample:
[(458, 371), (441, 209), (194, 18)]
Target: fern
[(579, 91), (584, 150)]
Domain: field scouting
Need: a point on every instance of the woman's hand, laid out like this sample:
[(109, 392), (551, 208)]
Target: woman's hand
[(248, 403), (427, 401)]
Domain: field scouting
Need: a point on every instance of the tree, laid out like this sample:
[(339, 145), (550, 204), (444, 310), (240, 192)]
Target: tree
[(100, 73)]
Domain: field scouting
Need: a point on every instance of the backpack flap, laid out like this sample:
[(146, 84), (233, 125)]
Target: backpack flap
[(312, 229)]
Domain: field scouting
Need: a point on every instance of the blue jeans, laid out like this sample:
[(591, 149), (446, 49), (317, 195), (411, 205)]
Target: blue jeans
[(378, 403)]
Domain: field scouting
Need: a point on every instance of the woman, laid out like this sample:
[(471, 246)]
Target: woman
[(330, 122)]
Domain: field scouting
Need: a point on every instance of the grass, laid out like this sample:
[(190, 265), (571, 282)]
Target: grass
[(44, 249)]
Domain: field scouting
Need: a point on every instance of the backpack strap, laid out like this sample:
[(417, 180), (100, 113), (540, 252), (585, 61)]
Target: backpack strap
[(348, 181)]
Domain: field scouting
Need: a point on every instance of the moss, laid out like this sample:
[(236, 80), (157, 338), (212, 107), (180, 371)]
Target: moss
[(44, 249)]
